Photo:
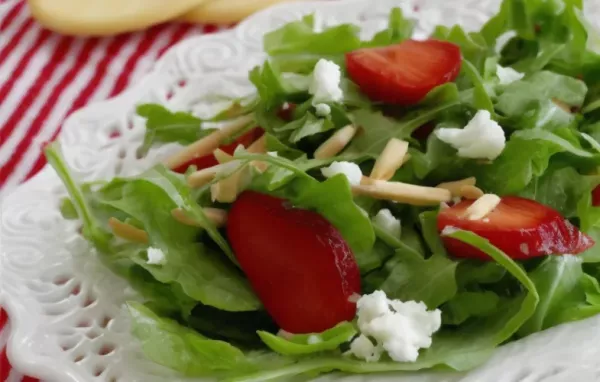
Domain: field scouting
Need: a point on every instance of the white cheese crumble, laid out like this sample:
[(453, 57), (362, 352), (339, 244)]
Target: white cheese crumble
[(508, 75), (325, 83), (397, 327), (363, 348), (387, 222), (349, 169), (313, 339), (156, 256), (481, 138), (272, 154), (322, 110)]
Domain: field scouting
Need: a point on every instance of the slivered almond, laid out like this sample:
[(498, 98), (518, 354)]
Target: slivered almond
[(482, 207), (454, 187), (260, 165), (390, 160), (404, 193), (127, 231), (365, 180), (221, 156), (259, 146), (336, 143), (207, 144), (200, 178), (227, 190), (471, 192), (216, 215)]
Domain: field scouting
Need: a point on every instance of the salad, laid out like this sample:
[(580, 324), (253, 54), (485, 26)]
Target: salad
[(379, 205)]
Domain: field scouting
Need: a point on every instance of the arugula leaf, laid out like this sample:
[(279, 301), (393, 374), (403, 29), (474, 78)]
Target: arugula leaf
[(169, 344), (274, 88), (428, 220), (297, 47), (398, 30), (92, 228), (306, 126), (378, 129), (465, 305), (472, 273), (237, 327), (274, 144), (429, 280), (163, 125), (300, 344), (472, 45), (555, 279), (200, 271), (481, 97), (528, 103), (560, 188), (520, 162)]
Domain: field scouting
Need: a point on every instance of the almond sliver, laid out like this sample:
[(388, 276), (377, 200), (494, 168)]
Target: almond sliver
[(482, 207), (454, 187), (127, 231), (216, 215), (221, 156), (471, 192), (404, 193), (390, 160), (207, 144), (204, 176), (259, 146), (227, 190), (336, 143)]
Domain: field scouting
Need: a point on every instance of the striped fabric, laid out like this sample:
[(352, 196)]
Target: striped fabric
[(44, 77)]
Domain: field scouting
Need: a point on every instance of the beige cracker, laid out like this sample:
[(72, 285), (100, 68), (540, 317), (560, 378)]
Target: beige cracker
[(226, 11), (106, 17)]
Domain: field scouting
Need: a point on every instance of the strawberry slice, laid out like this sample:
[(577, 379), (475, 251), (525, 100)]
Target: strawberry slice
[(596, 197), (404, 73), (520, 227), (210, 160), (297, 262)]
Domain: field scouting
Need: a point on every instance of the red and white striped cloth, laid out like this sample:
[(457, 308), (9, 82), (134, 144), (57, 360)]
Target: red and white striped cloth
[(45, 76)]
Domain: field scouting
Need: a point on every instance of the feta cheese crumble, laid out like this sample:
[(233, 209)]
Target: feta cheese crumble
[(156, 256), (508, 75), (349, 169), (272, 154), (481, 138), (325, 83), (387, 222), (313, 340), (322, 109), (397, 327)]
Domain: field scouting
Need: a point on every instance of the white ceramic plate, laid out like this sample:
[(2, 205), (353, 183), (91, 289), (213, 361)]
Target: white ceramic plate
[(66, 309)]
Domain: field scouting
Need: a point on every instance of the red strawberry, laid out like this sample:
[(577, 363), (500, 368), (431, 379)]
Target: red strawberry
[(520, 227), (210, 160), (297, 262), (596, 197), (404, 73)]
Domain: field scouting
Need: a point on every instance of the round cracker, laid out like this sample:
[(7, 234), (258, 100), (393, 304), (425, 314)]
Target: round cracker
[(227, 11), (106, 17)]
